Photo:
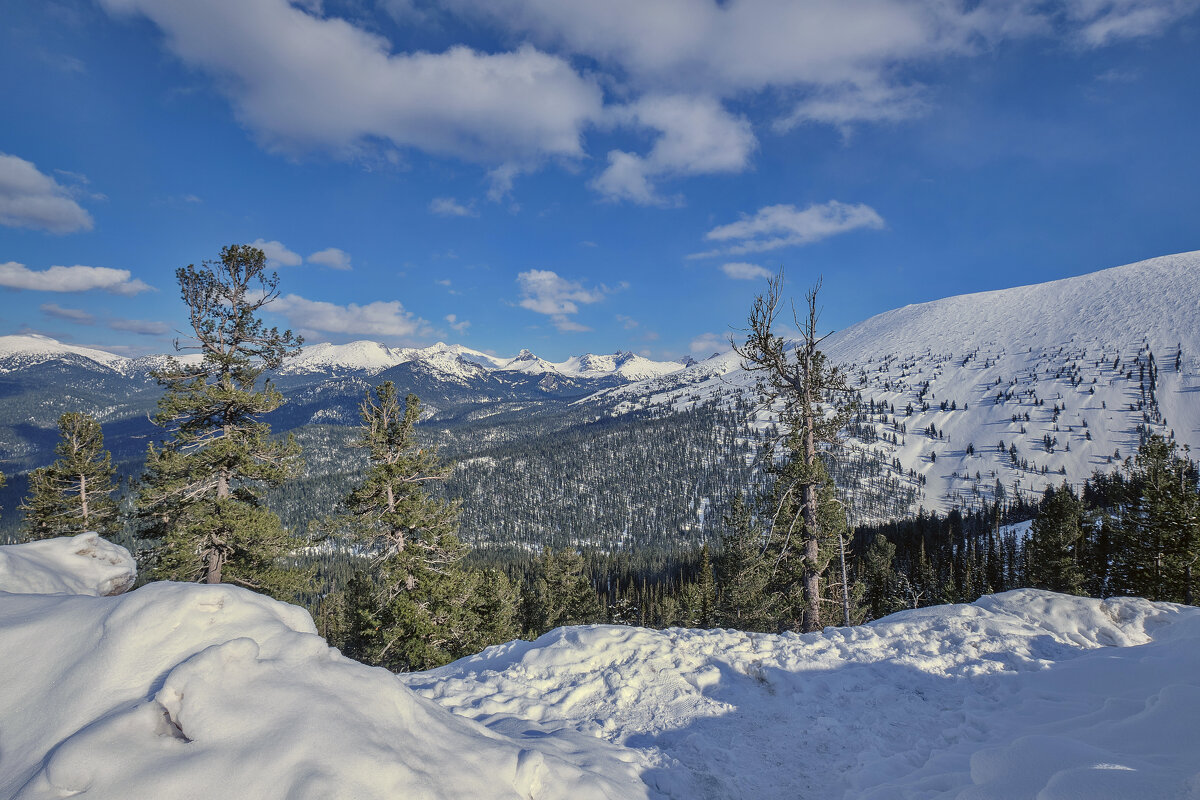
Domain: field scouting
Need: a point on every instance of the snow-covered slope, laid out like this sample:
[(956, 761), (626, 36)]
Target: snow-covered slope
[(1021, 695), (27, 350), (189, 691), (1071, 373)]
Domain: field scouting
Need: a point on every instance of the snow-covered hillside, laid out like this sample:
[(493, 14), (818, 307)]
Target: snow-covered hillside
[(27, 350), (188, 691), (1070, 373)]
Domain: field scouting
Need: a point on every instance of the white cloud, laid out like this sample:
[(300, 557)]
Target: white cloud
[(457, 324), (696, 136), (778, 226), (304, 82), (740, 270), (545, 292), (628, 323), (139, 326), (841, 62), (29, 199), (449, 207), (843, 104), (75, 315), (381, 318), (1102, 22), (277, 254), (71, 279), (331, 257), (706, 344)]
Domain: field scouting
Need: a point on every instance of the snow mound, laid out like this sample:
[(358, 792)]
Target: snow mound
[(1020, 693), (190, 691), (83, 564)]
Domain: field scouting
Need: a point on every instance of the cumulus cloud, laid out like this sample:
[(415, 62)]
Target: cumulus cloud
[(30, 199), (449, 207), (76, 315), (457, 324), (696, 136), (277, 254), (840, 61), (381, 318), (71, 279), (742, 271), (545, 292), (303, 81), (778, 226), (331, 257)]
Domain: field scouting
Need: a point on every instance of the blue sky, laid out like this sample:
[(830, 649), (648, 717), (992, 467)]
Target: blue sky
[(571, 176)]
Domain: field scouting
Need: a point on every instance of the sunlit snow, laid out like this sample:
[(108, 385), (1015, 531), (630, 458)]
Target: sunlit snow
[(179, 690)]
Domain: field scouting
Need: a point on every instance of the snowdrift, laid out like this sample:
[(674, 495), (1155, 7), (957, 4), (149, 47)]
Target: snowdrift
[(186, 691), (1021, 695)]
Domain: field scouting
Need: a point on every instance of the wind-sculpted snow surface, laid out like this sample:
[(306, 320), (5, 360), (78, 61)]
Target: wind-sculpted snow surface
[(83, 564), (1021, 695), (185, 691)]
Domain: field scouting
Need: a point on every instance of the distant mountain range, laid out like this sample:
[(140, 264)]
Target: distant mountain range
[(1069, 375), (454, 362)]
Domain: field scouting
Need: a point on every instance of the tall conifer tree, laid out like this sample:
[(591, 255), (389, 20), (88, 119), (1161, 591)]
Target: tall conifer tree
[(74, 494), (424, 608), (797, 382), (201, 496)]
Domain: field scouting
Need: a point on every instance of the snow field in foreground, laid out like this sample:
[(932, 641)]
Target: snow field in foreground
[(182, 691), (1021, 695), (187, 691)]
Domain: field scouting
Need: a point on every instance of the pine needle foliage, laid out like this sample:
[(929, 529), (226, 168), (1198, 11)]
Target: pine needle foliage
[(201, 495), (74, 494), (419, 607)]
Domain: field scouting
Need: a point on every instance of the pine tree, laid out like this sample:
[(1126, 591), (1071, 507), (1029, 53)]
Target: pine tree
[(201, 495), (1056, 545), (560, 593), (425, 608), (741, 574), (805, 516), (1158, 536), (74, 494), (883, 593)]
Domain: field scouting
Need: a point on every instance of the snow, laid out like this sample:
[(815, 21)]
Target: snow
[(190, 691), (83, 564), (999, 355), (452, 362), (1020, 693), (26, 350), (182, 690)]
